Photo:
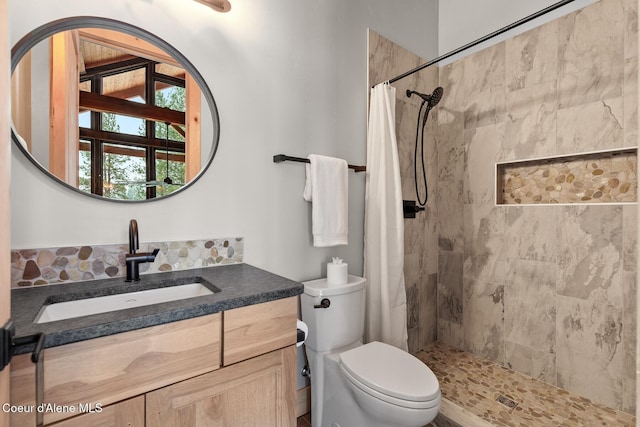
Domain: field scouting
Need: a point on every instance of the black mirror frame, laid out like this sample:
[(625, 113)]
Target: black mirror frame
[(43, 32)]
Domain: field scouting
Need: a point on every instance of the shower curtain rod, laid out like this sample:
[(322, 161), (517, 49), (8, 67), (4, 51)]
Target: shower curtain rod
[(483, 39)]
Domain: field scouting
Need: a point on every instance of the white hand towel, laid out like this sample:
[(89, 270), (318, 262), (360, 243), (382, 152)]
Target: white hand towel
[(327, 187)]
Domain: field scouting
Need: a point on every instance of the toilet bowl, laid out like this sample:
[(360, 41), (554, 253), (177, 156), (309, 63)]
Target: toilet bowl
[(392, 386), (355, 384)]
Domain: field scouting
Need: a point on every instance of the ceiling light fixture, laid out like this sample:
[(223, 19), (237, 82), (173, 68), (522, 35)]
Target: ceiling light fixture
[(217, 5)]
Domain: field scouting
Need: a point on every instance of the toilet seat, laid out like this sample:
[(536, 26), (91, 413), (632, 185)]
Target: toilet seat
[(391, 375)]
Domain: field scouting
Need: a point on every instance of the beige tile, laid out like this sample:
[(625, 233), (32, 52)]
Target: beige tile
[(485, 108), (482, 151), (413, 340), (530, 318), (450, 333), (629, 327), (412, 305), (530, 304), (453, 100), (427, 294), (591, 127), (630, 237), (450, 291), (532, 57), (428, 221), (473, 384), (630, 28), (629, 395), (591, 54), (589, 352), (450, 215), (531, 232), (386, 60), (450, 152), (484, 253), (483, 319), (630, 102), (530, 128), (536, 363), (485, 70), (590, 252)]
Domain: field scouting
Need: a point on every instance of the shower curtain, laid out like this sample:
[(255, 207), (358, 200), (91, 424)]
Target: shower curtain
[(386, 312)]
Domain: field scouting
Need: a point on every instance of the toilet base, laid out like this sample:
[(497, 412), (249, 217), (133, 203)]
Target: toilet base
[(334, 404)]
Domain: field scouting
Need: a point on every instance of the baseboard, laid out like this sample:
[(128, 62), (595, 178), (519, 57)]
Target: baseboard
[(303, 401)]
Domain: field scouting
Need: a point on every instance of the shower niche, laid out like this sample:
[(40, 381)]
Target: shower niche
[(596, 177)]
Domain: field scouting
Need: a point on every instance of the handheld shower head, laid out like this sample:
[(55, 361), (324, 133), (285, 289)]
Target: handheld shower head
[(435, 97), (431, 100)]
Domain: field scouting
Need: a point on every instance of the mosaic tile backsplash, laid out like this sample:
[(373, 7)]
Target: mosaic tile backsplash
[(592, 178), (46, 266)]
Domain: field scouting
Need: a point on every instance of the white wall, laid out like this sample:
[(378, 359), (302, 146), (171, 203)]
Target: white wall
[(288, 77), (463, 21)]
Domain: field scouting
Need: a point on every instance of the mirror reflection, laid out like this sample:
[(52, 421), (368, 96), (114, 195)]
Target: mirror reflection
[(111, 114)]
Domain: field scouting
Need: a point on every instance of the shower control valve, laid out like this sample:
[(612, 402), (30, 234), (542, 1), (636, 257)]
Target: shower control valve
[(325, 303)]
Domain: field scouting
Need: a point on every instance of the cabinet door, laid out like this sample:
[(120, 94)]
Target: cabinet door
[(129, 413), (257, 392)]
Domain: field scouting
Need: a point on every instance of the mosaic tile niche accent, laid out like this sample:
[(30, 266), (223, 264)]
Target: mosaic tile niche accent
[(46, 266), (607, 177)]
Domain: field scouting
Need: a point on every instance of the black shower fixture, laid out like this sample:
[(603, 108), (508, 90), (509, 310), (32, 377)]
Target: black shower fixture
[(430, 101)]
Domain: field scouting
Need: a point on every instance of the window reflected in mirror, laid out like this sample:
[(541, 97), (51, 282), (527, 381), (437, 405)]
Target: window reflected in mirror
[(124, 117)]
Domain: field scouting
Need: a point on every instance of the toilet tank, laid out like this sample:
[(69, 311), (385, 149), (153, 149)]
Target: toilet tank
[(339, 324)]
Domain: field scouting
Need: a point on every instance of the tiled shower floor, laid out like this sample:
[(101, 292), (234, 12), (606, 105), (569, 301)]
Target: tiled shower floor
[(471, 386)]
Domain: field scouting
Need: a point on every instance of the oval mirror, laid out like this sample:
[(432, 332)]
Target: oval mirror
[(110, 110)]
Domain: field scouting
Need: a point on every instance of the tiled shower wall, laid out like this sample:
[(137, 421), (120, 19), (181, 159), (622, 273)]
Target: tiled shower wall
[(387, 60), (546, 290)]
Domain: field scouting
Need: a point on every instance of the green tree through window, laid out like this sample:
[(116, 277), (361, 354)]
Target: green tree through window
[(124, 164)]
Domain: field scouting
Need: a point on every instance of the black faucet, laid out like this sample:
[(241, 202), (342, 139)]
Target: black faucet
[(133, 259)]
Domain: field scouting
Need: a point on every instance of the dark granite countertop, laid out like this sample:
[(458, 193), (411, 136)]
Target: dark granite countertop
[(239, 284)]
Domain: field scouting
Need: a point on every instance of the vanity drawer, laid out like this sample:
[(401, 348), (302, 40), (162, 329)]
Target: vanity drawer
[(113, 368), (258, 329), (116, 367)]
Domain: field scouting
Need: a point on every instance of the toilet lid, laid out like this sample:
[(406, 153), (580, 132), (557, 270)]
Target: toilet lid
[(391, 371)]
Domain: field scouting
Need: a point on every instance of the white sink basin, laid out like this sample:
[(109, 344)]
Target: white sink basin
[(85, 307)]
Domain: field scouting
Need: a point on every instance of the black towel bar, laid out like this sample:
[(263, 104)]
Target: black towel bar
[(278, 158)]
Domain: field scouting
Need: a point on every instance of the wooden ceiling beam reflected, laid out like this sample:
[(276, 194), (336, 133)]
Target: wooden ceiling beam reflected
[(108, 104), (134, 140), (126, 43)]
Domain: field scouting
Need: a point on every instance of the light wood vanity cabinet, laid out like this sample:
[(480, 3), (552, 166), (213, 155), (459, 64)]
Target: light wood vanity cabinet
[(129, 413), (234, 367), (256, 392)]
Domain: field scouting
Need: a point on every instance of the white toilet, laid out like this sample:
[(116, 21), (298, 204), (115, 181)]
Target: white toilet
[(355, 384)]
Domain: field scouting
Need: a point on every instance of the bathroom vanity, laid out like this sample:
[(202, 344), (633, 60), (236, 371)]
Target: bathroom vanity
[(227, 358)]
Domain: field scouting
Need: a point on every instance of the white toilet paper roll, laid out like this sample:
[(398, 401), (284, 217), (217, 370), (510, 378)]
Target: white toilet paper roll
[(304, 328), (337, 274)]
